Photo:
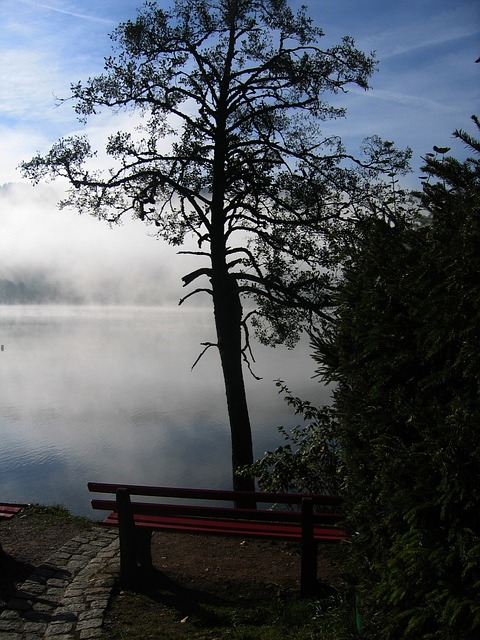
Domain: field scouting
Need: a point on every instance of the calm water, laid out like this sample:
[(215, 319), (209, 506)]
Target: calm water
[(107, 394)]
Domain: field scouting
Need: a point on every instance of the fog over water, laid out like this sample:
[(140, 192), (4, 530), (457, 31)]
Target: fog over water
[(83, 259), (108, 394), (105, 391)]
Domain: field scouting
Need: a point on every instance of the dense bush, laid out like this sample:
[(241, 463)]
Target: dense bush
[(403, 436), (404, 349)]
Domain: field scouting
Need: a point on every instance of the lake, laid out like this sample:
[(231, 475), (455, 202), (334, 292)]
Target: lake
[(108, 394)]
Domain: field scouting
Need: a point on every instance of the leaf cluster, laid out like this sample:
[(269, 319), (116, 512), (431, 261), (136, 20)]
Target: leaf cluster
[(309, 462)]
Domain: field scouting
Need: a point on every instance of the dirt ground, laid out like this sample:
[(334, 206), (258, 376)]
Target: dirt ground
[(232, 563)]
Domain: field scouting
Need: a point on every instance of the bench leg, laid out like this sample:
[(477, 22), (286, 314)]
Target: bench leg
[(135, 542), (128, 539), (308, 576)]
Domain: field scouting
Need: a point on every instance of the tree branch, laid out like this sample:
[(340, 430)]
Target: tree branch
[(190, 277), (193, 293), (207, 346)]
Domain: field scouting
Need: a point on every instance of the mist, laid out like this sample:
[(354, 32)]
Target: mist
[(60, 256)]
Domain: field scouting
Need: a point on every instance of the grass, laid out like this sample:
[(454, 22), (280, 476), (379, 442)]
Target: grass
[(152, 616), (56, 510), (51, 511)]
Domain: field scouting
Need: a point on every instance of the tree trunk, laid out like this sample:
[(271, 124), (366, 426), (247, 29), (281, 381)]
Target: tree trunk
[(228, 317), (227, 306)]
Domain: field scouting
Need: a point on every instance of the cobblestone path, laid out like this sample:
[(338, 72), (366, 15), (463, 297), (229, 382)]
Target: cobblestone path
[(66, 597)]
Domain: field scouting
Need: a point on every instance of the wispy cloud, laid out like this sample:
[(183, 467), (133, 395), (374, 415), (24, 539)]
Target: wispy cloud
[(419, 35), (27, 82), (74, 14), (410, 100), (434, 42)]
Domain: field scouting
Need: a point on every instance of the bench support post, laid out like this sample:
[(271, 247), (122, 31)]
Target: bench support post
[(308, 576), (127, 536)]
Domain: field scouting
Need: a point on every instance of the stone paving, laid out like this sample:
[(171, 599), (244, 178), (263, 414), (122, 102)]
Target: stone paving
[(66, 597)]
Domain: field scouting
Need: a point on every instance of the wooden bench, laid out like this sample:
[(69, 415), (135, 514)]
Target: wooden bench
[(10, 509), (315, 522)]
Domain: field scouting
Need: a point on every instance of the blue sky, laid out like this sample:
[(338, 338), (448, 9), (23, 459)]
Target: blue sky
[(427, 84)]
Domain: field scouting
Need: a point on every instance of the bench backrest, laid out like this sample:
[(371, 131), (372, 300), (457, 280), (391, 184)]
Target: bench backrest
[(328, 514), (215, 494)]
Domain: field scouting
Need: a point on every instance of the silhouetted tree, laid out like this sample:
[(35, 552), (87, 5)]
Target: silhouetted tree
[(230, 150)]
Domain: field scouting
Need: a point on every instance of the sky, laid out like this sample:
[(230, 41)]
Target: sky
[(426, 85)]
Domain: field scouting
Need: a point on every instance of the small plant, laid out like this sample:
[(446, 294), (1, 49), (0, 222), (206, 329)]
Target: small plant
[(310, 461), (49, 511), (58, 510)]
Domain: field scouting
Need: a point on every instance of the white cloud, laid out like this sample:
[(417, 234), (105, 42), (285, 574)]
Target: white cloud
[(17, 144)]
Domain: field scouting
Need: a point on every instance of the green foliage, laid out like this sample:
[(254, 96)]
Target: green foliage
[(309, 462), (404, 349), (57, 510)]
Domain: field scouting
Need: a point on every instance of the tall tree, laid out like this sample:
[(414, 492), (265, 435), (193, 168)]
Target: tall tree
[(231, 94)]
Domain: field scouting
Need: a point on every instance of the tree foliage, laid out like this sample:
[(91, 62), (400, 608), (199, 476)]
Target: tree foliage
[(229, 151), (404, 349)]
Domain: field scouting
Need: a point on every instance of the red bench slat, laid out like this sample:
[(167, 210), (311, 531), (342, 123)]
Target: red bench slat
[(9, 510), (272, 515), (5, 515), (237, 528), (213, 494)]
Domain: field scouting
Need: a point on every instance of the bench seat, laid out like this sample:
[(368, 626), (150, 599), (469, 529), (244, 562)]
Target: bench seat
[(255, 529)]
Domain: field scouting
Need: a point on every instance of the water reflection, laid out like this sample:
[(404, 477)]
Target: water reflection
[(108, 394)]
